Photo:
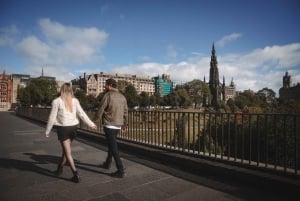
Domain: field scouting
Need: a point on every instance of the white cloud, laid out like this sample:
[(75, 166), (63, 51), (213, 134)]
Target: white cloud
[(59, 32), (64, 48), (34, 50), (285, 56), (68, 50), (255, 70), (226, 39), (263, 67)]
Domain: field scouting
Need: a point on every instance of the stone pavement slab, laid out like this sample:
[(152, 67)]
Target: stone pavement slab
[(28, 159)]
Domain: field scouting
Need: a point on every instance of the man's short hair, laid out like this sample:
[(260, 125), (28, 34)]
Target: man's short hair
[(111, 82)]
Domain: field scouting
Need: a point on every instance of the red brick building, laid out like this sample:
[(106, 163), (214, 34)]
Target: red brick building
[(5, 91)]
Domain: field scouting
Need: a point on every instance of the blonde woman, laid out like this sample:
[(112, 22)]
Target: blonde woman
[(64, 115)]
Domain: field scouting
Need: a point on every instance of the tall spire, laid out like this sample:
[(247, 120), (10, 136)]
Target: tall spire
[(214, 82), (213, 51), (214, 71), (286, 80)]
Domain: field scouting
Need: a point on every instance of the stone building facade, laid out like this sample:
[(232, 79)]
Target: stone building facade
[(288, 92), (5, 91), (94, 84), (18, 81)]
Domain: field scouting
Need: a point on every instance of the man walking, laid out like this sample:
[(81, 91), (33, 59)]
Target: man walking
[(113, 112)]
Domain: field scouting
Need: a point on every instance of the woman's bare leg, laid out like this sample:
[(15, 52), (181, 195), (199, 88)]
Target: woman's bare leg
[(63, 160), (66, 146)]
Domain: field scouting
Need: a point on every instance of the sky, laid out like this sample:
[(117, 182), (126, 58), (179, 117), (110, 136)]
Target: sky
[(256, 41)]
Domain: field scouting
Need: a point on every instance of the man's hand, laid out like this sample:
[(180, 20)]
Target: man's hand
[(124, 127)]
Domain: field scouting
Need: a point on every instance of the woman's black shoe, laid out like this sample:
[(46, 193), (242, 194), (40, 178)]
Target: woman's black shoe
[(75, 178)]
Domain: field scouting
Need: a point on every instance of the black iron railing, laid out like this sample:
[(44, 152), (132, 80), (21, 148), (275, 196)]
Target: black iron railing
[(267, 140), (263, 140)]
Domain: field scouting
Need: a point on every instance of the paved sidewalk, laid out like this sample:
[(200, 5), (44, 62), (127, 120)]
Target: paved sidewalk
[(28, 159)]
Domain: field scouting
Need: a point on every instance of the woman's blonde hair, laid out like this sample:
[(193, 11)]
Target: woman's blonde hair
[(66, 94)]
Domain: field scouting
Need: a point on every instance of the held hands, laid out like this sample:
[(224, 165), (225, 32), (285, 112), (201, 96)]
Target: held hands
[(123, 128), (94, 127)]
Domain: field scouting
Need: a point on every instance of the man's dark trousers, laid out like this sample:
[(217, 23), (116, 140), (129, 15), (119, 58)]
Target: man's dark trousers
[(111, 135)]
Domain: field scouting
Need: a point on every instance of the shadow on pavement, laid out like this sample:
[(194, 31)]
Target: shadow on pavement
[(30, 166), (37, 160)]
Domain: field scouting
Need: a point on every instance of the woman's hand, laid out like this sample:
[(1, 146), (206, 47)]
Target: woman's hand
[(47, 135), (94, 127)]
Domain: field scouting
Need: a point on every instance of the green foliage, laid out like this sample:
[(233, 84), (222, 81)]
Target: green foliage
[(80, 95), (268, 138), (121, 85), (178, 98), (289, 106), (155, 99), (92, 102), (144, 99), (264, 101), (180, 132), (24, 96), (39, 92), (131, 96), (42, 91), (198, 92)]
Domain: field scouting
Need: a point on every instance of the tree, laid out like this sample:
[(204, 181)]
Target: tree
[(93, 103), (131, 96), (38, 92), (269, 93), (171, 99), (82, 98), (185, 99), (198, 92), (156, 99), (289, 106), (24, 96), (144, 99), (121, 85), (232, 106), (179, 97)]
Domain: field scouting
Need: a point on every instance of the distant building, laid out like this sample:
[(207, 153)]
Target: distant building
[(219, 91), (18, 81), (288, 92), (163, 85), (230, 91), (5, 91), (10, 85), (94, 84)]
